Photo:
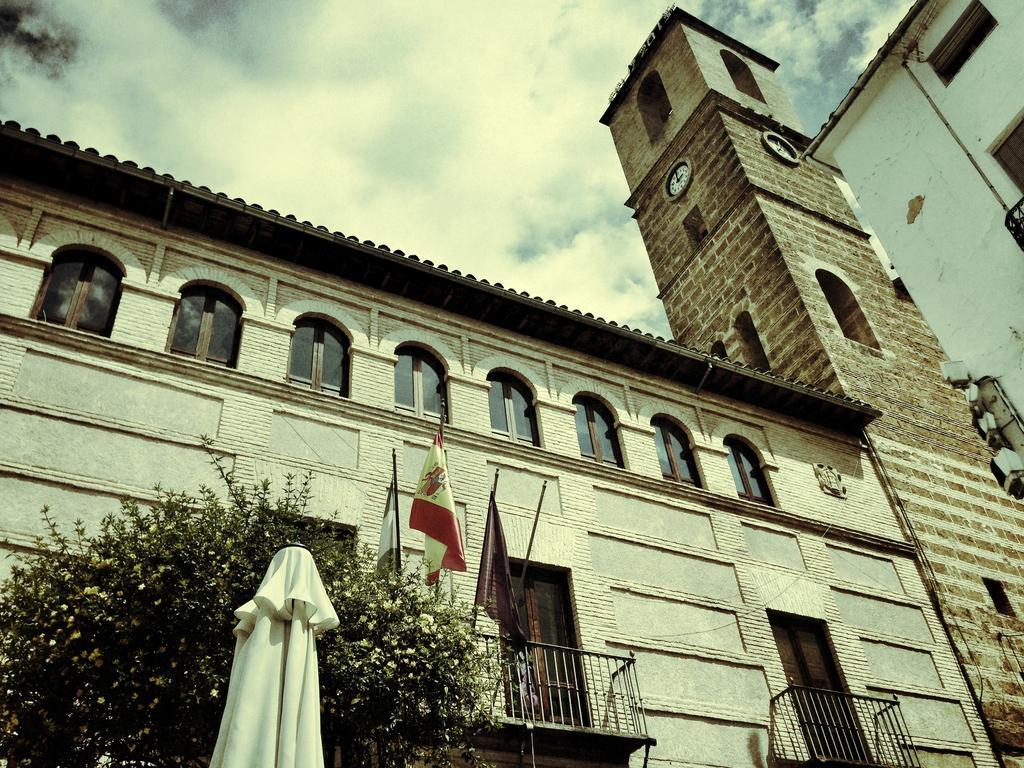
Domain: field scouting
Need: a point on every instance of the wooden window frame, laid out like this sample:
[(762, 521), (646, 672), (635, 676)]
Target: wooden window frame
[(747, 492), (662, 427), (559, 674), (509, 382), (210, 294), (419, 355), (1012, 163), (948, 57), (526, 599), (317, 365), (790, 624), (81, 292), (589, 409)]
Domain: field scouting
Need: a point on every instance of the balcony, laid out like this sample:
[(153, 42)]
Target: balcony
[(569, 698), (1015, 222), (812, 726)]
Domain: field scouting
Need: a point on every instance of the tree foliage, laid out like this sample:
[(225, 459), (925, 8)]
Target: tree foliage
[(117, 645)]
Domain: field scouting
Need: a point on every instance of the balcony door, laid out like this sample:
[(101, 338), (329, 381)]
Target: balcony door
[(825, 712), (555, 679)]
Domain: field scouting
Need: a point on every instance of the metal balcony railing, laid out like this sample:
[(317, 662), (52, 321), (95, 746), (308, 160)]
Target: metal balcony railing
[(1015, 222), (821, 727), (551, 684)]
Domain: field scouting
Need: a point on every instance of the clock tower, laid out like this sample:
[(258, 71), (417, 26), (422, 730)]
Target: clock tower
[(759, 258)]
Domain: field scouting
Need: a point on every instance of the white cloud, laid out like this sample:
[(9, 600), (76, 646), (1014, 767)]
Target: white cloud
[(468, 135)]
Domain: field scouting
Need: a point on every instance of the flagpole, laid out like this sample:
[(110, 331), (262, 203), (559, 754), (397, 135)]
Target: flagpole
[(398, 518), (533, 532), (440, 432)]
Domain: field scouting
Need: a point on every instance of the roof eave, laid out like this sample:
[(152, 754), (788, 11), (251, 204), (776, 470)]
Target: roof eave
[(865, 77)]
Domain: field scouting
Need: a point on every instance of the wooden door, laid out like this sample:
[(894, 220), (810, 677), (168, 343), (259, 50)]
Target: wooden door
[(555, 675), (827, 717)]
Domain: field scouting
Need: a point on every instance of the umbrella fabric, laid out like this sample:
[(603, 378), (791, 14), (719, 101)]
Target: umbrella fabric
[(272, 714)]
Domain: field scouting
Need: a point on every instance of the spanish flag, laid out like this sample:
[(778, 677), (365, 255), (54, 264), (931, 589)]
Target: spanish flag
[(433, 512)]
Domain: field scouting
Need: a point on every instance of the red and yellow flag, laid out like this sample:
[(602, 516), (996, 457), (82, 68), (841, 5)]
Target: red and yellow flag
[(433, 512)]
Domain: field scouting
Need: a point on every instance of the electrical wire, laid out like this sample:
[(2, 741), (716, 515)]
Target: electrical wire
[(754, 610)]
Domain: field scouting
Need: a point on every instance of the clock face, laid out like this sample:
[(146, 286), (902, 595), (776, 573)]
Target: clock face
[(781, 148), (678, 179)]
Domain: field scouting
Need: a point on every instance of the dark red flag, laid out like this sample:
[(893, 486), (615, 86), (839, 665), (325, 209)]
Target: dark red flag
[(494, 583)]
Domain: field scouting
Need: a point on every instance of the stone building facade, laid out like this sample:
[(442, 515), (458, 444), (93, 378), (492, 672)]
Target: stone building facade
[(777, 272), (706, 590)]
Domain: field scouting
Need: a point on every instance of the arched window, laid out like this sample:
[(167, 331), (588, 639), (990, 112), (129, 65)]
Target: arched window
[(81, 291), (674, 451), (718, 349), (319, 357), (751, 348), (741, 75), (419, 382), (595, 430), (653, 103), (206, 325), (746, 472), (847, 311), (511, 407)]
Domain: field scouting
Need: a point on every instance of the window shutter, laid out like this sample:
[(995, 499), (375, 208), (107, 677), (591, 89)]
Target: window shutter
[(961, 41), (1011, 155)]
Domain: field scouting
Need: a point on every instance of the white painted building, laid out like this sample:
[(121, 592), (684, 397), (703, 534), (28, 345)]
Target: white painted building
[(931, 139)]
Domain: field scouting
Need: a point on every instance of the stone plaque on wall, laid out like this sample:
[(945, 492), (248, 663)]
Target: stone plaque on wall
[(520, 488), (314, 440), (113, 395), (132, 462), (660, 568), (659, 520)]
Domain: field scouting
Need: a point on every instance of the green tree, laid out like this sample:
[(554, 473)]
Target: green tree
[(117, 645)]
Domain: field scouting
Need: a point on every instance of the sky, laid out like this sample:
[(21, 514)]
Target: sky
[(465, 131)]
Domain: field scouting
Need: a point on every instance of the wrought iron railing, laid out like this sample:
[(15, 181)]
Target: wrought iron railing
[(1015, 222), (552, 684), (817, 726)]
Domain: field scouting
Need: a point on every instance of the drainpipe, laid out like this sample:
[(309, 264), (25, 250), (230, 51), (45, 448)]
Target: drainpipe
[(700, 386), (953, 133), (167, 207)]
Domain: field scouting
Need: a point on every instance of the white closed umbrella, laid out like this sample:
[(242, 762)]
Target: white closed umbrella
[(272, 714)]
